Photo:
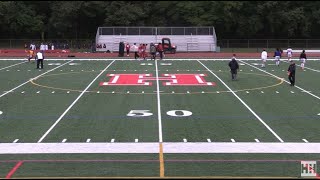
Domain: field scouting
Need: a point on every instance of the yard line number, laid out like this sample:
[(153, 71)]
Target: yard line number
[(175, 113)]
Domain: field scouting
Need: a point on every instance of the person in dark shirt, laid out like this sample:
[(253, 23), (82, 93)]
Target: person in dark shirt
[(234, 66), (292, 73), (303, 58), (277, 56)]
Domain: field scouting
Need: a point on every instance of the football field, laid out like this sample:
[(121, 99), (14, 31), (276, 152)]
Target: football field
[(177, 118)]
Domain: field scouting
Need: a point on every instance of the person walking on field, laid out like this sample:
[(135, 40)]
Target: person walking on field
[(303, 58), (264, 56), (39, 58), (234, 67), (292, 73), (277, 56), (289, 53), (160, 50), (128, 48), (153, 51)]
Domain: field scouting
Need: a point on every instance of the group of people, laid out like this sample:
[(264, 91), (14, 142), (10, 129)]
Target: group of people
[(234, 66), (278, 54), (141, 50)]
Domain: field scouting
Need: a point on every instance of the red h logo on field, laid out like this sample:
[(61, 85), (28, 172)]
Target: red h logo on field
[(127, 80), (143, 80), (187, 80)]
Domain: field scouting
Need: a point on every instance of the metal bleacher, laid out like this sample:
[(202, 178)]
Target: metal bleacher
[(187, 39)]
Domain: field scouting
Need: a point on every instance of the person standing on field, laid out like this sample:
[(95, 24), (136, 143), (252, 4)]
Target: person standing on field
[(264, 56), (303, 58), (234, 67), (292, 73), (40, 58)]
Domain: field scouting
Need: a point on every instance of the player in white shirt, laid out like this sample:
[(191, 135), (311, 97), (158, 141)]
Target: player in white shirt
[(33, 46), (264, 56), (289, 53)]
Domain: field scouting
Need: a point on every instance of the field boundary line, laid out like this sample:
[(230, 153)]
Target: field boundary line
[(73, 103), (168, 147), (168, 59), (34, 78), (258, 117), (308, 92), (12, 65)]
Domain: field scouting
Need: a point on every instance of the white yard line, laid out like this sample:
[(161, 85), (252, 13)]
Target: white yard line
[(159, 107), (265, 124), (153, 147), (172, 59), (73, 103), (283, 80), (34, 78), (13, 65)]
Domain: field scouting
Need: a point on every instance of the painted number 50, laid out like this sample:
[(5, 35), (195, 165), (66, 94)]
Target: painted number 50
[(142, 113)]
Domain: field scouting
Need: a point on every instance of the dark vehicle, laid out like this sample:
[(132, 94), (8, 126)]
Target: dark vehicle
[(168, 47)]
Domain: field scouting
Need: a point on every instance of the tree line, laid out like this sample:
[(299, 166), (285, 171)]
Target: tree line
[(231, 19)]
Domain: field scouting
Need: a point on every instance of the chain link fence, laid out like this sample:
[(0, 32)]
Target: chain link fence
[(270, 43), (80, 44)]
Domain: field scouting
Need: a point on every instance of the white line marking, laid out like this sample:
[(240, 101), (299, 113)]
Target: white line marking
[(88, 140), (115, 79), (112, 140), (283, 80), (12, 65), (185, 140), (149, 147), (64, 140), (209, 140), (159, 108), (275, 134), (257, 140), (199, 79), (135, 140), (305, 140), (73, 103), (34, 78), (16, 140), (232, 140)]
